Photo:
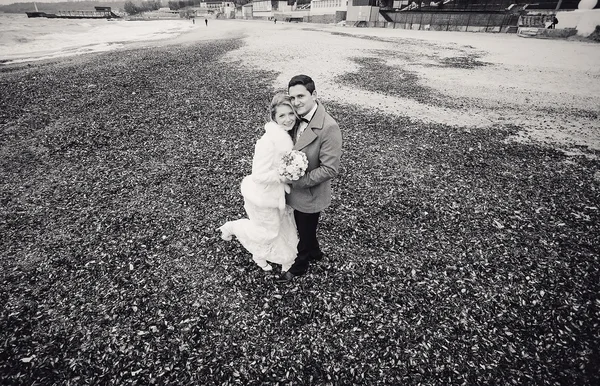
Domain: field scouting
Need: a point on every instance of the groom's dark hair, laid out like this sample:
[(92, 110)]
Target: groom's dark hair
[(304, 80)]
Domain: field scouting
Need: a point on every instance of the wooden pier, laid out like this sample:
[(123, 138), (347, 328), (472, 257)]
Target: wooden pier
[(98, 13)]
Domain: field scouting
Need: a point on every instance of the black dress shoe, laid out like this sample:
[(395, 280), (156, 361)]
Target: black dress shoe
[(285, 277), (317, 258)]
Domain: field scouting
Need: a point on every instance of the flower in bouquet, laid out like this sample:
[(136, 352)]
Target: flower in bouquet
[(293, 165)]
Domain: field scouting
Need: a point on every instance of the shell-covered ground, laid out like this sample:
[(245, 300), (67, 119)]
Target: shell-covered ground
[(455, 255)]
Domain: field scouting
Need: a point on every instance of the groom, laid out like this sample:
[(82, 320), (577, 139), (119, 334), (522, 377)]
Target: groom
[(320, 138)]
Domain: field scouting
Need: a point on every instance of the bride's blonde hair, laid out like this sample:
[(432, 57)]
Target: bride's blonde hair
[(280, 99)]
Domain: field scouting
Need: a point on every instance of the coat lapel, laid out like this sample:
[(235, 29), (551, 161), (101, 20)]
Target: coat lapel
[(305, 139), (309, 135)]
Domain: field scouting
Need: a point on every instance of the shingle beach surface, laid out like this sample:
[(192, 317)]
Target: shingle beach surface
[(456, 254)]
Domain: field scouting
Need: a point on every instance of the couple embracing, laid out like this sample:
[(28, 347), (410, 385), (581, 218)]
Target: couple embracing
[(283, 214)]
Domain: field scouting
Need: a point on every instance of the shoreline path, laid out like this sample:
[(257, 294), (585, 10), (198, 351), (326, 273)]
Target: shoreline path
[(548, 89)]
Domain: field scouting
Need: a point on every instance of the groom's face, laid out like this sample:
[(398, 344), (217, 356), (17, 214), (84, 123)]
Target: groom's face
[(302, 99)]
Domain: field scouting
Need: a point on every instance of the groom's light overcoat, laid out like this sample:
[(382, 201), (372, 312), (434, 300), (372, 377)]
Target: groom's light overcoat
[(321, 141)]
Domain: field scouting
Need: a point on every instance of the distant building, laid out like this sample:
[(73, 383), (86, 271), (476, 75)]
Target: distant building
[(267, 9), (167, 10), (328, 11), (324, 7), (246, 12), (493, 16), (316, 11), (228, 9), (362, 10), (213, 4), (210, 9)]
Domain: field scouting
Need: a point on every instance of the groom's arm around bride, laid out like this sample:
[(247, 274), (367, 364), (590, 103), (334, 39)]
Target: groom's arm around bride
[(320, 138)]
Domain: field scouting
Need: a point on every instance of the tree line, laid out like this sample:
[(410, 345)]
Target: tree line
[(145, 6)]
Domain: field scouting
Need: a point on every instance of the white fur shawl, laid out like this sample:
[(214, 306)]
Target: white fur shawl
[(264, 187)]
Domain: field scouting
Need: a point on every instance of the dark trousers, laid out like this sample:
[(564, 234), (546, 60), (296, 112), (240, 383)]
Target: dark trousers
[(308, 245)]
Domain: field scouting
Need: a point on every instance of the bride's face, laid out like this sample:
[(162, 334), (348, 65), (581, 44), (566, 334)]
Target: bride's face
[(285, 116)]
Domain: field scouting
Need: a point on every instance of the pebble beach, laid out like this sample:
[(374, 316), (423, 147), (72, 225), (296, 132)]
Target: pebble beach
[(462, 239)]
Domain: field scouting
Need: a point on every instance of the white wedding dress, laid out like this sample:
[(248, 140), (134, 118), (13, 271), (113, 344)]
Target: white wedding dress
[(269, 233)]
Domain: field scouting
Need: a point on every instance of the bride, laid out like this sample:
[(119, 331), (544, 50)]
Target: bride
[(269, 233)]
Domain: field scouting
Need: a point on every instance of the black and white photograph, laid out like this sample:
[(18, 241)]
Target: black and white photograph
[(299, 192)]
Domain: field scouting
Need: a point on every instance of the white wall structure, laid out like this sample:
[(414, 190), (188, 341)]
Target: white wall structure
[(262, 5), (264, 8), (400, 3), (212, 4), (327, 7), (362, 13), (228, 9), (321, 10), (247, 11), (585, 20)]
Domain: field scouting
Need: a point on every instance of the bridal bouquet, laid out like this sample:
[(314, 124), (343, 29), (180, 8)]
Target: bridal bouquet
[(293, 165)]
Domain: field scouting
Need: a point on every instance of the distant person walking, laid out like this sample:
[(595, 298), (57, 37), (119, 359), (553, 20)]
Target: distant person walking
[(206, 21), (194, 21), (551, 24)]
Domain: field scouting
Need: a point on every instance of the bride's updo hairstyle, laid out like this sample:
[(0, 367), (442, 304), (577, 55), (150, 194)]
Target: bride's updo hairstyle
[(278, 100)]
